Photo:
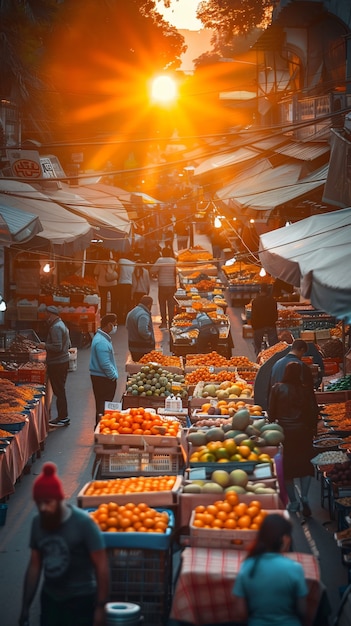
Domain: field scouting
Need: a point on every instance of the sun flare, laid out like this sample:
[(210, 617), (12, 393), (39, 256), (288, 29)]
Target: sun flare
[(164, 89)]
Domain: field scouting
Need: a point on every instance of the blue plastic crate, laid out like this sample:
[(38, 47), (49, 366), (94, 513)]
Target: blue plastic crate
[(142, 541), (13, 428)]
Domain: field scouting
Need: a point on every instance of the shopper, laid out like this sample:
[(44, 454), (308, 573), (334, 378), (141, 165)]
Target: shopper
[(140, 284), (57, 346), (270, 587), (264, 315), (124, 287), (293, 405), (165, 270), (102, 367), (106, 275), (298, 349), (67, 548), (141, 338)]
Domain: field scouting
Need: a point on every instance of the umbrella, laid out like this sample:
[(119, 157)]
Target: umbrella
[(315, 255)]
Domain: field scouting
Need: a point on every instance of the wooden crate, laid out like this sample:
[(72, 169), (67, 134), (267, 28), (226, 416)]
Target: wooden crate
[(154, 402), (135, 440)]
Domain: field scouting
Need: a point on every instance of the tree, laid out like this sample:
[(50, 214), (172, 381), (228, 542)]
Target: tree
[(233, 17)]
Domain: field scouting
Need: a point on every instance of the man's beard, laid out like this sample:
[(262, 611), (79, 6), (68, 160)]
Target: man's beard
[(51, 521)]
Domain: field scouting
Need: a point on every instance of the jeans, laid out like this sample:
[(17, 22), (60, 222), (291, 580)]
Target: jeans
[(57, 374), (104, 390), (166, 303), (271, 333)]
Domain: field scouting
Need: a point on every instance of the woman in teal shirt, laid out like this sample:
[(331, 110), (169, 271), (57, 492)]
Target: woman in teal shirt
[(271, 589)]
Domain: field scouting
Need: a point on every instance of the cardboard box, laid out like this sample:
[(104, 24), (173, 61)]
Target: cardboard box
[(248, 332), (151, 498), (229, 539), (308, 335)]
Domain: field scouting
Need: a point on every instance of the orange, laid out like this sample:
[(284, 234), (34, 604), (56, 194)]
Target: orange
[(240, 509), (253, 511), (230, 524), (244, 451), (244, 522), (232, 497)]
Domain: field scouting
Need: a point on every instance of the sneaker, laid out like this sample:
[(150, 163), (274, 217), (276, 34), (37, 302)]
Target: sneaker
[(306, 510), (59, 423)]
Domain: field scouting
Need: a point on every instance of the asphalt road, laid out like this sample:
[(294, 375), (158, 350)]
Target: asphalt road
[(71, 449)]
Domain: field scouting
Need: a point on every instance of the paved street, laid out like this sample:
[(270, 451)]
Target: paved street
[(72, 450)]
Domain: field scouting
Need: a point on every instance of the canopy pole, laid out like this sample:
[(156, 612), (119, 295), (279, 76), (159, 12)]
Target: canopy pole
[(84, 262), (343, 347)]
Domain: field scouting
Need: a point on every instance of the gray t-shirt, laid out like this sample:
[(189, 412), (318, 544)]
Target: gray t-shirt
[(67, 567)]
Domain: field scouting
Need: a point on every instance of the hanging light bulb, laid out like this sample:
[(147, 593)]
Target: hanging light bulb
[(262, 272), (2, 304), (217, 222), (47, 268), (230, 261)]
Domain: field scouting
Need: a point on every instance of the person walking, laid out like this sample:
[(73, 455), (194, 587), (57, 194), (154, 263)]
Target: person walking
[(293, 405), (57, 346), (102, 366), (141, 338), (165, 270), (124, 288), (140, 284), (106, 275), (271, 588), (67, 548), (264, 315)]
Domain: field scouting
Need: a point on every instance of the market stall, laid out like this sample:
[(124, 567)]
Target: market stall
[(25, 441), (203, 592)]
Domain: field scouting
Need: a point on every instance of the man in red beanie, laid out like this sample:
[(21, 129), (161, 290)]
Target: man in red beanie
[(68, 548)]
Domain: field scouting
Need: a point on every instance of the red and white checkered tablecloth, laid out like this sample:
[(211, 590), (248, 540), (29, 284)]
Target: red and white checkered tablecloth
[(203, 593)]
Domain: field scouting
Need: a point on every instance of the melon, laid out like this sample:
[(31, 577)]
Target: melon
[(197, 439), (241, 419), (273, 437), (259, 423), (215, 434), (221, 477), (212, 488), (240, 438), (192, 488), (235, 488), (238, 477), (273, 426)]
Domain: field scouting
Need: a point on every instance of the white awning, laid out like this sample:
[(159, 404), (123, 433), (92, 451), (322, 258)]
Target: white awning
[(273, 187), (100, 206), (224, 160), (62, 232), (17, 226)]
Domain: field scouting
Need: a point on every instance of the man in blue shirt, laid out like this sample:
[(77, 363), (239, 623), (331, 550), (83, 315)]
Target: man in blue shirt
[(102, 367)]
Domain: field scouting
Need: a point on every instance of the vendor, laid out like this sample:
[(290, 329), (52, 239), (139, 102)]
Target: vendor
[(208, 336)]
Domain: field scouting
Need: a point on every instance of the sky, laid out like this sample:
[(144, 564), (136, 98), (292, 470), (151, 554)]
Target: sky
[(181, 14)]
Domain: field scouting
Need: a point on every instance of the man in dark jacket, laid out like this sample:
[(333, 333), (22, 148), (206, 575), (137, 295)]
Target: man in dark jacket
[(264, 315), (141, 338), (57, 346)]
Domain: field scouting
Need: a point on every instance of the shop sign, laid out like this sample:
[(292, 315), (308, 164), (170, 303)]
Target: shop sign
[(25, 164)]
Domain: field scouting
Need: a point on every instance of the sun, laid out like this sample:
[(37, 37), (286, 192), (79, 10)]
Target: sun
[(164, 89)]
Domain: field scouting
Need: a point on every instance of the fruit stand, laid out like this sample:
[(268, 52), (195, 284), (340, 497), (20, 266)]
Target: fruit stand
[(243, 281)]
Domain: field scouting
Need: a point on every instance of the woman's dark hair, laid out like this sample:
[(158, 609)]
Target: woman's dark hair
[(270, 536), (293, 373)]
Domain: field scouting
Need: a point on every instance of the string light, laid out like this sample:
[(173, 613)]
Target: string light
[(262, 272)]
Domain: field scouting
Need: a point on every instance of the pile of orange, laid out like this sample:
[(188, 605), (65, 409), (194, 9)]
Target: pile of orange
[(130, 518), (133, 484), (161, 359), (230, 514), (137, 421)]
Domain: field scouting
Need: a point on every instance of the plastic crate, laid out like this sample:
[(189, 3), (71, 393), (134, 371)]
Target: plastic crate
[(143, 577), (145, 541), (28, 374), (9, 375), (137, 461)]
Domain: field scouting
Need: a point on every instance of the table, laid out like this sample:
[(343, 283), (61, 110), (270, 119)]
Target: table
[(203, 592), (23, 446)]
